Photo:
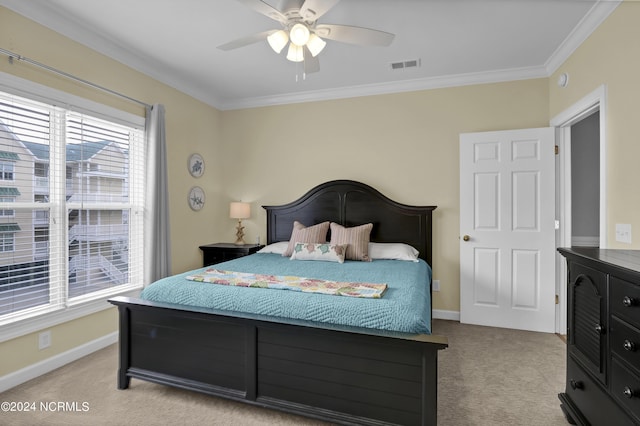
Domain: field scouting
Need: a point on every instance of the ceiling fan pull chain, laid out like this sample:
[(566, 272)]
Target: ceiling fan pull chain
[(300, 72)]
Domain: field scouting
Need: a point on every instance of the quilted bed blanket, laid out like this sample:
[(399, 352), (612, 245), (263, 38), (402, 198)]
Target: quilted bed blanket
[(289, 282), (405, 306)]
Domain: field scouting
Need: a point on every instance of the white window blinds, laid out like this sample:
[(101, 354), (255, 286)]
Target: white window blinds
[(71, 200)]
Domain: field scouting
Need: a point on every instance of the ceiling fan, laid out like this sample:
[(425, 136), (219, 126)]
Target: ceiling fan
[(304, 35)]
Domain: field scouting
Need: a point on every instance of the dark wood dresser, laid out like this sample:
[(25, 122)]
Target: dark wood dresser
[(603, 337)]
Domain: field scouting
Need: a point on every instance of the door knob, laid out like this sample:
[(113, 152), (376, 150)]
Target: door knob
[(466, 238)]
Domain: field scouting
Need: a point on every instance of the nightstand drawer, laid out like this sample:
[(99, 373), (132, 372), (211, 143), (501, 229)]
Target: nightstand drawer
[(625, 342), (625, 387), (625, 300), (221, 252)]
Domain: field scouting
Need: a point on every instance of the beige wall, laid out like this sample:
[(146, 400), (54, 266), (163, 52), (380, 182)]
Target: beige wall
[(405, 145), (23, 351), (611, 57), (191, 126)]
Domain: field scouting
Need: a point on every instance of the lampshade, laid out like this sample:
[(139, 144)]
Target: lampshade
[(239, 210), (315, 44), (299, 34), (278, 40), (295, 53)]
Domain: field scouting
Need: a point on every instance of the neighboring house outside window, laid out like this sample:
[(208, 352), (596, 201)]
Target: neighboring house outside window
[(66, 199)]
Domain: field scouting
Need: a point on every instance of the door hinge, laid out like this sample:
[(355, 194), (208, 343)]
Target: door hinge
[(557, 299), (557, 149)]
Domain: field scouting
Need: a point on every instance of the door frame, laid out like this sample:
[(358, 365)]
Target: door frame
[(594, 101)]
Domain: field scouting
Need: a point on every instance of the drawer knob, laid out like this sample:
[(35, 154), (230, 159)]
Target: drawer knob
[(576, 384), (629, 345), (628, 392), (628, 301), (598, 328)]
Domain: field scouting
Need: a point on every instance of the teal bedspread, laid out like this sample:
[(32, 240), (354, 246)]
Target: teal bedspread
[(405, 306)]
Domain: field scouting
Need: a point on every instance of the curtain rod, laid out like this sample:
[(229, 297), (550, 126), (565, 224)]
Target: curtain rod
[(15, 56)]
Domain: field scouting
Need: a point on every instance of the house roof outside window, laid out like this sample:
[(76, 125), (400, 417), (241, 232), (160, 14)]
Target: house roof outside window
[(9, 192), (75, 152), (4, 155), (9, 227)]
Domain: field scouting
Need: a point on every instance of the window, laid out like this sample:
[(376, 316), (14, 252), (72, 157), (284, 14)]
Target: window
[(7, 237), (7, 212), (6, 170), (70, 208)]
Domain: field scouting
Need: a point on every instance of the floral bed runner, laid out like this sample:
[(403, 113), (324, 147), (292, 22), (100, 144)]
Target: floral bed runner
[(286, 282)]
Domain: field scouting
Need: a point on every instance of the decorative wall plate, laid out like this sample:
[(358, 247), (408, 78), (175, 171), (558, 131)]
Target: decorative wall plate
[(196, 198), (196, 165)]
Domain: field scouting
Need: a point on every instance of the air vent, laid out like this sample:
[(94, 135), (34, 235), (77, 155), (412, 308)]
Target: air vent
[(413, 63)]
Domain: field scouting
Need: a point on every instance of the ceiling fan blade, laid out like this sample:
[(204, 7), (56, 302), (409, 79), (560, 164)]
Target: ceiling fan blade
[(245, 41), (354, 35), (311, 63), (265, 9), (311, 10)]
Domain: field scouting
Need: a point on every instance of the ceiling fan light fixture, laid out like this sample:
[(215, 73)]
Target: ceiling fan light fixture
[(299, 34), (278, 40), (315, 45), (295, 53)]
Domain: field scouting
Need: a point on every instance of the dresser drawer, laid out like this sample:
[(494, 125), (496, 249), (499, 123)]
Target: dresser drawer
[(625, 300), (591, 399), (625, 342), (625, 387)]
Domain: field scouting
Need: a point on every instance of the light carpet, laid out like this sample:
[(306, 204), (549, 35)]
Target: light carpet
[(487, 376)]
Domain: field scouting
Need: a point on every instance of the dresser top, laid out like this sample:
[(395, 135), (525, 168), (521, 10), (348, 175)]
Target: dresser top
[(626, 259)]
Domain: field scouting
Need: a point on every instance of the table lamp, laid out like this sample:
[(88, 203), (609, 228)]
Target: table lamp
[(239, 210)]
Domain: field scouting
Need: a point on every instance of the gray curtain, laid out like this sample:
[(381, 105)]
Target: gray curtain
[(157, 241)]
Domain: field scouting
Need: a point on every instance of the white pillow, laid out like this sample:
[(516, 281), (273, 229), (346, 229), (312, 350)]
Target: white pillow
[(319, 251), (394, 251), (277, 248)]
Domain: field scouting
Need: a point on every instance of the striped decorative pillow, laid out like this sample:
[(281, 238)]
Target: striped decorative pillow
[(356, 239), (302, 234)]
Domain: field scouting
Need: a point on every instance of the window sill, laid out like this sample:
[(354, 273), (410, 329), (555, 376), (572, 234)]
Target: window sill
[(31, 325)]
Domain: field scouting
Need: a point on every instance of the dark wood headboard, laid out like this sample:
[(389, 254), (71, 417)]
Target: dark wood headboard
[(352, 203)]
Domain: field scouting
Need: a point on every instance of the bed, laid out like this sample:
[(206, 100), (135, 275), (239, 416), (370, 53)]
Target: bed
[(341, 373)]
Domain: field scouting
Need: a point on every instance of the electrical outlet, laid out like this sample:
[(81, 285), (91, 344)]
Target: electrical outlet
[(435, 286), (44, 339), (623, 233)]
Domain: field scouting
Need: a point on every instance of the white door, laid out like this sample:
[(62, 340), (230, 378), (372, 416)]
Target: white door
[(507, 229)]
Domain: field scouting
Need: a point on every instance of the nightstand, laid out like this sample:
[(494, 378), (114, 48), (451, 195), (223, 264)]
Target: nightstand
[(219, 252)]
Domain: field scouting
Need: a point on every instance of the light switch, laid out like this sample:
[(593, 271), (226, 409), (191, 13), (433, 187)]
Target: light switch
[(623, 233)]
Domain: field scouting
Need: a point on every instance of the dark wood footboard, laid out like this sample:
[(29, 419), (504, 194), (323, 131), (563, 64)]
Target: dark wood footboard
[(340, 374)]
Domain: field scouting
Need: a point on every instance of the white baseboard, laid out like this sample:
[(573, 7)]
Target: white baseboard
[(445, 315), (585, 241), (31, 372)]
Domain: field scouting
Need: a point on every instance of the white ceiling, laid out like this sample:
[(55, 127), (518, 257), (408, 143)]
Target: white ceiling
[(457, 42)]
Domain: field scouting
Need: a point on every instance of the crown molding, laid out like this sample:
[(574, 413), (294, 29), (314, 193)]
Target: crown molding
[(592, 20), (389, 88), (48, 16)]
